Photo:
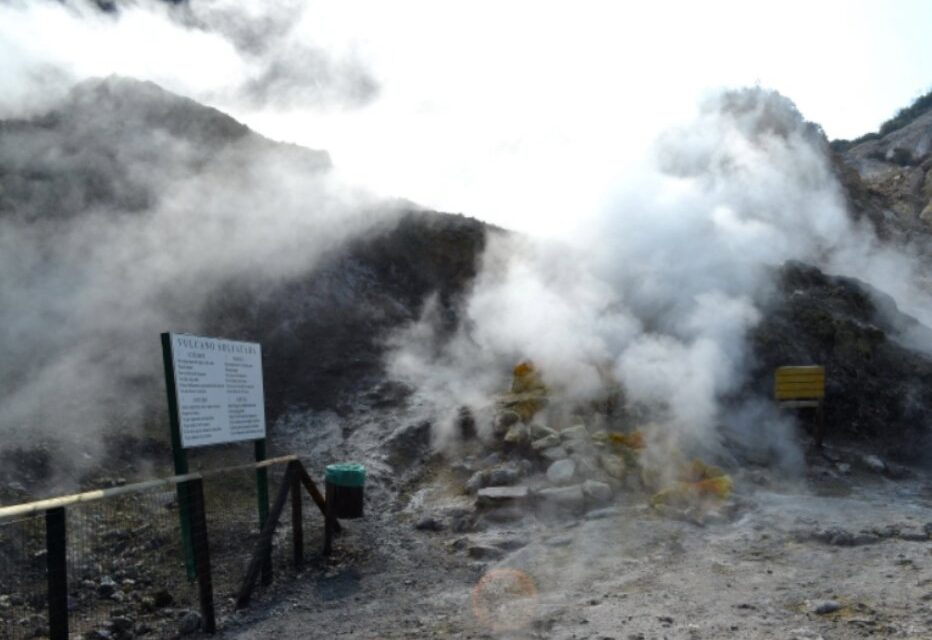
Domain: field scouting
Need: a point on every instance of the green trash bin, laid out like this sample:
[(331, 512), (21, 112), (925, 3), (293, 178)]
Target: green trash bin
[(345, 483)]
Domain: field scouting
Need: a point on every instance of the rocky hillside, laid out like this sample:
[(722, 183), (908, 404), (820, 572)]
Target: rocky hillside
[(877, 382), (889, 174), (121, 154), (114, 143), (128, 211), (877, 389), (322, 333)]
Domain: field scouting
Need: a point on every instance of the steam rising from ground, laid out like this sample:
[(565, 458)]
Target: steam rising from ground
[(122, 223), (659, 294)]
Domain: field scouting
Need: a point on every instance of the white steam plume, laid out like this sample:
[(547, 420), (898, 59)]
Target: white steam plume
[(251, 54), (88, 279), (663, 288)]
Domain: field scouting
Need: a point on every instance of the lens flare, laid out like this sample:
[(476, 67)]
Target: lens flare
[(505, 599)]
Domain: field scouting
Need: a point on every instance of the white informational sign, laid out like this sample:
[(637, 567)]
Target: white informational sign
[(219, 388)]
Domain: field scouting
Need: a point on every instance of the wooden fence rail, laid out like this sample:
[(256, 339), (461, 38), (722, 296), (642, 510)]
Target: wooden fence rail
[(55, 510)]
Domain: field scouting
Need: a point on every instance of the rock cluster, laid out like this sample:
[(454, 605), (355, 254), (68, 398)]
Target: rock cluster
[(530, 466), (566, 470)]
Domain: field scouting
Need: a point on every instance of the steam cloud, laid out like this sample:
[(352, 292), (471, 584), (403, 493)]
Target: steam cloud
[(251, 54), (122, 215), (659, 294)]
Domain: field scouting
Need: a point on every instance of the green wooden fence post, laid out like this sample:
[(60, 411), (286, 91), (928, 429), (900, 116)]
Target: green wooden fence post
[(180, 457), (262, 491)]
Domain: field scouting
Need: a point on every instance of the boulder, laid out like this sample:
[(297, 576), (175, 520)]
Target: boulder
[(561, 472), (506, 474), (571, 497), (517, 434), (546, 442), (576, 432), (539, 431), (587, 467), (484, 552), (477, 480), (429, 523), (408, 443), (554, 453), (876, 389), (503, 422), (580, 446), (497, 496), (613, 465), (597, 492)]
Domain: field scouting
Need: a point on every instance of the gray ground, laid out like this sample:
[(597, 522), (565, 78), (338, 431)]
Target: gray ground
[(841, 553)]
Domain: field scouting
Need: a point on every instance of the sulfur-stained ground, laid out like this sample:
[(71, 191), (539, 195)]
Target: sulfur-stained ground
[(840, 553)]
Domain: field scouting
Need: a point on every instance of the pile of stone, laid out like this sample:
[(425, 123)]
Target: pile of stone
[(535, 465), (569, 470)]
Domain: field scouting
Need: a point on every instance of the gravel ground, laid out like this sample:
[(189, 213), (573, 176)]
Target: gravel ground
[(837, 554)]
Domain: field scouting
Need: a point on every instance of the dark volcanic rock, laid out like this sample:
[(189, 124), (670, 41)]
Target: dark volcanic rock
[(323, 333), (118, 145), (876, 388), (408, 443)]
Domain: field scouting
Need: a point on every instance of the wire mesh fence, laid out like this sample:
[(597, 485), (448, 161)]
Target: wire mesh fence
[(128, 571), (125, 557), (23, 585), (231, 507)]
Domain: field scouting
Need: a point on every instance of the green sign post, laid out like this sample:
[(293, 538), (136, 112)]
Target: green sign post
[(215, 396)]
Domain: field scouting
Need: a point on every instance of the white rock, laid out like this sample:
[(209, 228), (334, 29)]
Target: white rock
[(567, 497), (613, 465), (494, 496), (576, 432), (539, 431), (599, 492), (517, 434), (546, 442), (561, 471), (874, 463), (587, 467), (554, 453)]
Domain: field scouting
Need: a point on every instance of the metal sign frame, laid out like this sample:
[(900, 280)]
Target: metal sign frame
[(180, 458)]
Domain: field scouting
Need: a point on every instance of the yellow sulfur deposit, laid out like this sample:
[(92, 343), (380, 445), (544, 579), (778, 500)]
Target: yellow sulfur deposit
[(698, 482), (528, 392), (526, 378), (697, 471), (633, 440)]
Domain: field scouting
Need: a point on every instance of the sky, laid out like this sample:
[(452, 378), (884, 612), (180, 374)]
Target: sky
[(527, 114)]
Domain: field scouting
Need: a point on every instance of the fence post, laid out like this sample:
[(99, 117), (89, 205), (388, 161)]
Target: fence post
[(297, 525), (262, 492), (264, 544), (57, 559), (329, 520), (315, 494), (198, 520), (179, 455)]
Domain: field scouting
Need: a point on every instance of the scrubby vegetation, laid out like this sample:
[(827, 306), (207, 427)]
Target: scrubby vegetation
[(902, 118)]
